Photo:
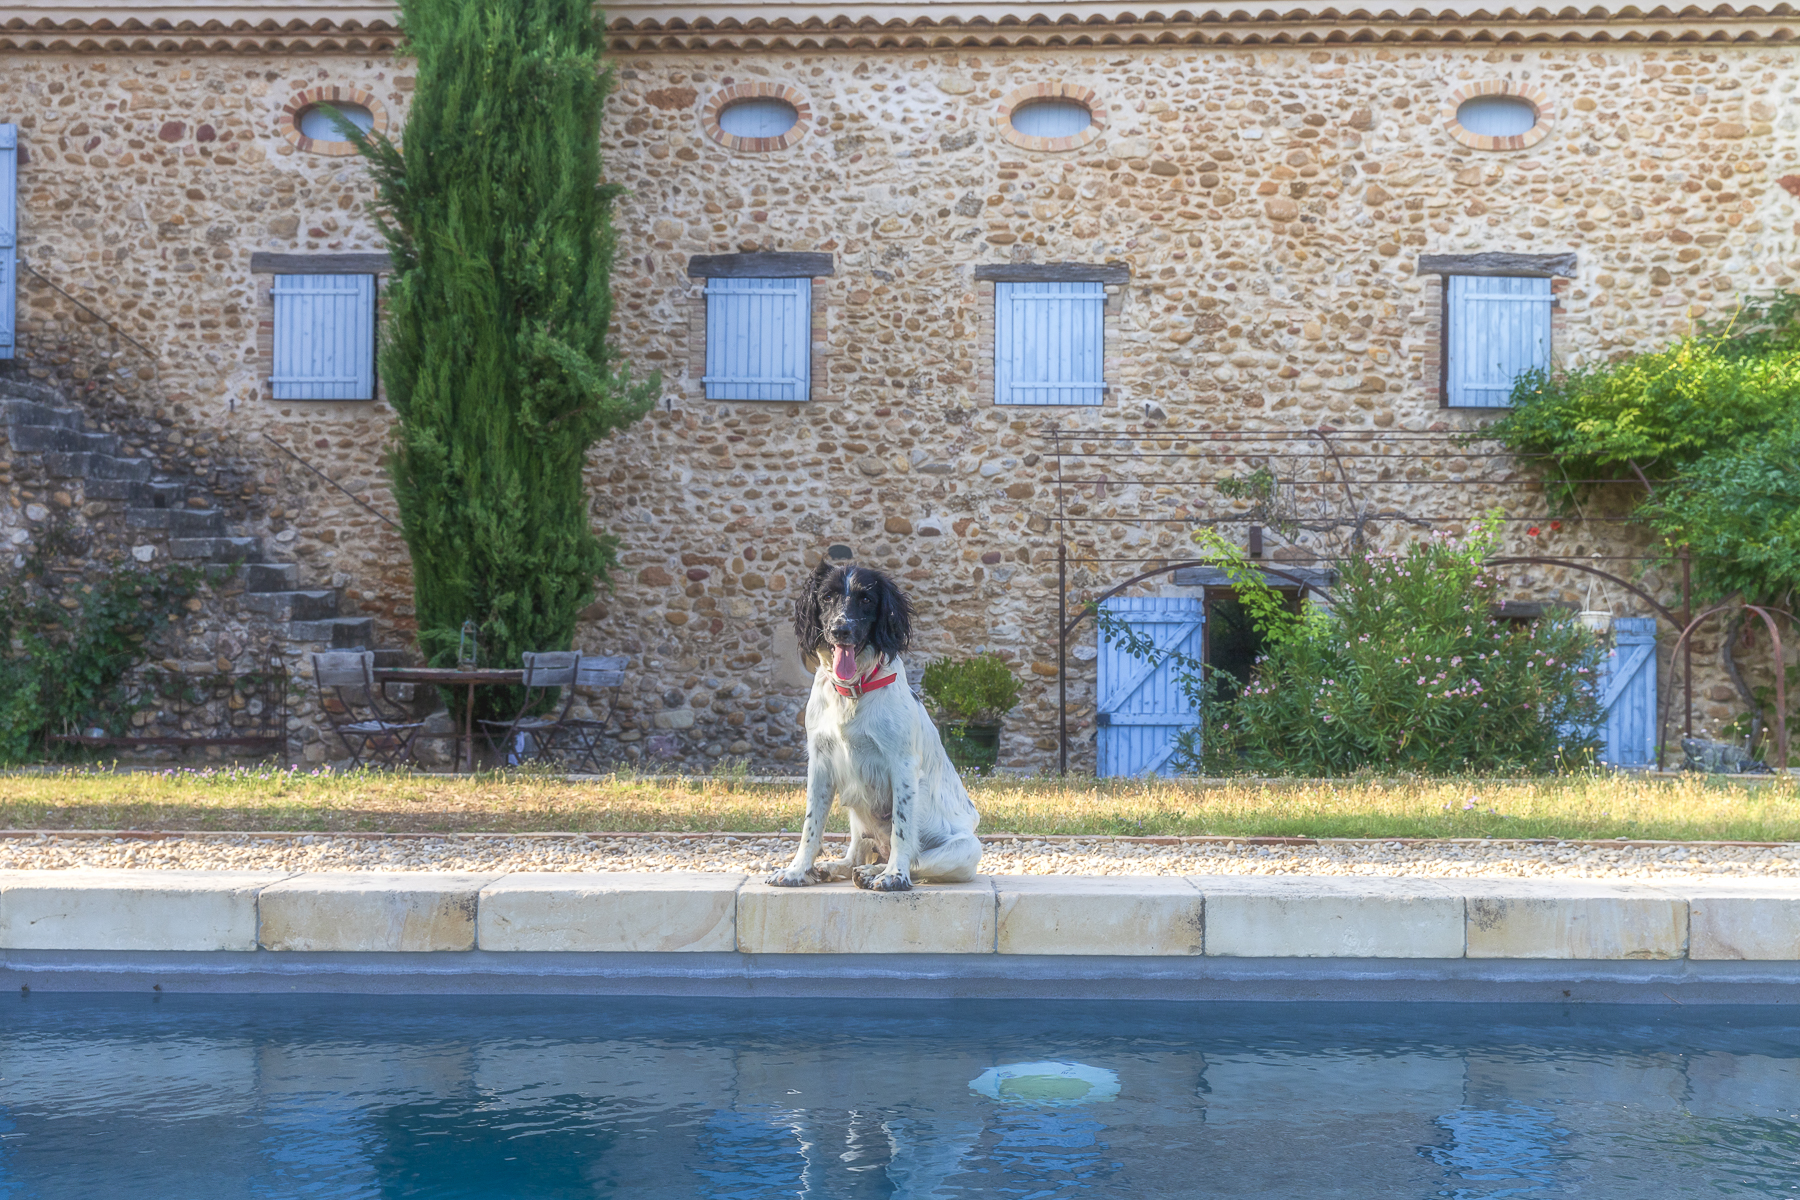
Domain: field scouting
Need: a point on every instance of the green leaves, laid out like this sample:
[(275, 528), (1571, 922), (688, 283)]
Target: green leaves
[(495, 349), (63, 666), (982, 688), (1705, 433), (1405, 671)]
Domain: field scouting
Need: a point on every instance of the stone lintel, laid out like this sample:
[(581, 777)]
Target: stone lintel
[(766, 264), (1290, 577), (356, 262), (1502, 262), (1054, 273)]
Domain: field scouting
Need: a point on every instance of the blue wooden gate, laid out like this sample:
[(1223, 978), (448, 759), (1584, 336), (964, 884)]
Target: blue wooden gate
[(1628, 694), (1140, 706)]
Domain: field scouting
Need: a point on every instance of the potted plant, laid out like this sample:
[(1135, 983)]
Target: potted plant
[(967, 699)]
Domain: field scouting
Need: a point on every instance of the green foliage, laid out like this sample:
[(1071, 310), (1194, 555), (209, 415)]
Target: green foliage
[(1709, 426), (1405, 671), (63, 666), (495, 353), (979, 689)]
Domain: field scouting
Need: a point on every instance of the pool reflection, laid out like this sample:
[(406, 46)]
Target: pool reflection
[(519, 1098)]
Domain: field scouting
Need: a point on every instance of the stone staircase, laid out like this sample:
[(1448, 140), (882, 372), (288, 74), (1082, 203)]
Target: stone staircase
[(156, 508)]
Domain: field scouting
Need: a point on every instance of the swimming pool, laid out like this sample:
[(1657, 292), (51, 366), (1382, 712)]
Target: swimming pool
[(533, 1099)]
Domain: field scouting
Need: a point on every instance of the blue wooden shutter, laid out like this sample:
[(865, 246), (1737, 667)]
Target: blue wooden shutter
[(9, 235), (758, 339), (1499, 329), (1628, 694), (1049, 343), (324, 337), (1139, 705)]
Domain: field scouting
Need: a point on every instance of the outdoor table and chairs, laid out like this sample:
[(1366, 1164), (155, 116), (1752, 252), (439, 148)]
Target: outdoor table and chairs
[(378, 732), (473, 677), (373, 731)]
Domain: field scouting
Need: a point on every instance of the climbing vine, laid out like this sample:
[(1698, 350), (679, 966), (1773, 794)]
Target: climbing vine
[(67, 641)]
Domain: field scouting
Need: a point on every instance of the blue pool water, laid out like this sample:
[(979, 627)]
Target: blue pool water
[(530, 1099)]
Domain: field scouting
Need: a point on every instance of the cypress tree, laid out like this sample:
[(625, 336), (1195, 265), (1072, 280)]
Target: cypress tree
[(494, 349)]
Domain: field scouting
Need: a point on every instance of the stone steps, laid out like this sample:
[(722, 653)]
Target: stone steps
[(38, 423), (319, 605)]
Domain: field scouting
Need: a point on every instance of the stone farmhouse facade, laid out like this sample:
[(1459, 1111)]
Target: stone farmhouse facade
[(1253, 230)]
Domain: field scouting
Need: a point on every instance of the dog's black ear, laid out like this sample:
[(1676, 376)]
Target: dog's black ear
[(809, 617), (893, 625)]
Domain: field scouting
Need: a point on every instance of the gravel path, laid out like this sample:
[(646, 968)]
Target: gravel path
[(1025, 856)]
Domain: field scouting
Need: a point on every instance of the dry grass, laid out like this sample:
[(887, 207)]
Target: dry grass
[(1693, 808)]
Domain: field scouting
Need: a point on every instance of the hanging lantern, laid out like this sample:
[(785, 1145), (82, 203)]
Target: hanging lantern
[(467, 649)]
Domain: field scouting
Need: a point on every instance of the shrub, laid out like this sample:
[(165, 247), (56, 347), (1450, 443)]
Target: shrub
[(981, 689), (495, 350), (1405, 671), (62, 664), (1705, 432)]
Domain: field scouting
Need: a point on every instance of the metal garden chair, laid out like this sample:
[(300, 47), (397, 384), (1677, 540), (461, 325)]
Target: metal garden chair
[(346, 680), (548, 672), (581, 739)]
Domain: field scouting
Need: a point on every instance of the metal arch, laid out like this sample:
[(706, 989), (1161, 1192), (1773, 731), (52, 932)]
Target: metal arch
[(1662, 610), (1304, 585), (1062, 638)]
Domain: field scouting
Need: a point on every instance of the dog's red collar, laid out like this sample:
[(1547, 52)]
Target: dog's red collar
[(864, 683)]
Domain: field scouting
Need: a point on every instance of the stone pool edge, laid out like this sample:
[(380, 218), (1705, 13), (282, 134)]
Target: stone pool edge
[(1266, 938)]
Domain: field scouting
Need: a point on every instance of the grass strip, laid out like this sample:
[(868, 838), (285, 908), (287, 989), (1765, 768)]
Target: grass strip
[(1575, 807)]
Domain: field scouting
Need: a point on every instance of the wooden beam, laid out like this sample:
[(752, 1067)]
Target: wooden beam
[(1541, 266), (364, 262), (1056, 273), (761, 265)]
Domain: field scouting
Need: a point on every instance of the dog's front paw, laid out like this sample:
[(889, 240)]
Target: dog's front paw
[(877, 878), (791, 878)]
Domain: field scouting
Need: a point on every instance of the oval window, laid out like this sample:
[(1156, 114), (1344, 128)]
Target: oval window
[(1052, 118), (315, 122), (1497, 116), (764, 117)]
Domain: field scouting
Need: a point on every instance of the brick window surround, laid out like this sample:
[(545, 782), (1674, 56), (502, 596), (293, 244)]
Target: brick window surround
[(1536, 97), (1114, 276), (1085, 96), (1435, 365), (725, 98), (764, 265), (287, 125)]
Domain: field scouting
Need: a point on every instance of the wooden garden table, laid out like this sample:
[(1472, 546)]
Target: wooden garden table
[(450, 677)]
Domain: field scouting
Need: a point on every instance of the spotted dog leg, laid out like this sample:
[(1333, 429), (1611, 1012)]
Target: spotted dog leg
[(819, 792), (896, 874)]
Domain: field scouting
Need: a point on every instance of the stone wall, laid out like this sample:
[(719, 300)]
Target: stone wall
[(1272, 205)]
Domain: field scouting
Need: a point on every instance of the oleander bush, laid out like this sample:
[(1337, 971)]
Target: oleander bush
[(1406, 670)]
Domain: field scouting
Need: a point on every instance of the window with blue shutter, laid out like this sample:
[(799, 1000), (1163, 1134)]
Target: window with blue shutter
[(1049, 343), (324, 337), (1498, 328), (9, 235), (758, 339)]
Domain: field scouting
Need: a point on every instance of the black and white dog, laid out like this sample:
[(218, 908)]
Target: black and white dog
[(870, 744)]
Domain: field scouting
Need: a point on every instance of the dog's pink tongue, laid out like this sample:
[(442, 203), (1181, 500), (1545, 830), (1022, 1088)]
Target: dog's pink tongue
[(843, 663)]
